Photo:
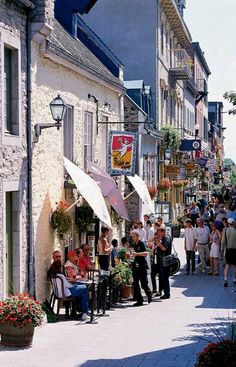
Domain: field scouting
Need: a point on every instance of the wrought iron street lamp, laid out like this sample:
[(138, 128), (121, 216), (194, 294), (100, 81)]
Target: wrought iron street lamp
[(58, 108)]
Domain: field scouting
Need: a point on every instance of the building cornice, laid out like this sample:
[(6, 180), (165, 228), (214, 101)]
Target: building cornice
[(176, 21)]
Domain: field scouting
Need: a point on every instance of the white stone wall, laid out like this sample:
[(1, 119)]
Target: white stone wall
[(49, 80), (13, 160)]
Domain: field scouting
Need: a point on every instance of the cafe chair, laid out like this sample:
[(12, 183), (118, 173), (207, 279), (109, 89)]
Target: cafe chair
[(68, 302)]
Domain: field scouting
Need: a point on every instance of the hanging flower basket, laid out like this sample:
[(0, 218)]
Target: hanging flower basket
[(152, 191), (178, 183), (171, 137), (164, 185), (61, 220)]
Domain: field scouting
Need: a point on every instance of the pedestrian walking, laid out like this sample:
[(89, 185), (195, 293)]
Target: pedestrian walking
[(203, 239), (228, 248), (215, 240), (190, 245), (139, 269), (164, 248)]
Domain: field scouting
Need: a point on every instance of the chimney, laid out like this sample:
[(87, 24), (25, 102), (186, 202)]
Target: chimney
[(45, 11), (181, 5)]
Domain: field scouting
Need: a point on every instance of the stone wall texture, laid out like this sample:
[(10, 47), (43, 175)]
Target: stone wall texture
[(13, 158)]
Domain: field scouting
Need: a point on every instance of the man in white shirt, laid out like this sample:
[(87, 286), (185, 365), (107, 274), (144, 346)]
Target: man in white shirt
[(190, 245), (142, 232), (203, 239)]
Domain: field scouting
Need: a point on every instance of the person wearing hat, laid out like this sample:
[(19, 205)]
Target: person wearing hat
[(71, 268), (228, 248), (139, 269)]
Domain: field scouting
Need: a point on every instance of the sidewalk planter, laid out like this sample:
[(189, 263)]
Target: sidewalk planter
[(19, 315), (12, 336), (126, 291), (218, 354)]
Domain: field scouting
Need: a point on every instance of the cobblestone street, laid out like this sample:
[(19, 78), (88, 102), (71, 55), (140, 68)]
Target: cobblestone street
[(164, 333)]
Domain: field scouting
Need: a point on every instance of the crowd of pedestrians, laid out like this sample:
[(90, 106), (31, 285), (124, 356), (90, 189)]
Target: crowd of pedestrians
[(210, 229), (209, 236)]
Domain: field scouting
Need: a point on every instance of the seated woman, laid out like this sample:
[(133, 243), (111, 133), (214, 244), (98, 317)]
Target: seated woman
[(79, 291), (71, 268)]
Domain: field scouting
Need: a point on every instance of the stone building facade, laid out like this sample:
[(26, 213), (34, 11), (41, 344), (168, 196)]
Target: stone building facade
[(58, 64), (13, 148)]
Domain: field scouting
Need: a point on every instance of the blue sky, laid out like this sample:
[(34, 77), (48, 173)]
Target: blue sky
[(212, 23)]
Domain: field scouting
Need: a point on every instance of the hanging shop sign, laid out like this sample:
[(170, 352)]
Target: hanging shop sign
[(202, 161), (122, 153), (172, 169), (190, 145)]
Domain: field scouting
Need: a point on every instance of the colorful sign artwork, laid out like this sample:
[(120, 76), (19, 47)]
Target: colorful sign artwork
[(122, 153)]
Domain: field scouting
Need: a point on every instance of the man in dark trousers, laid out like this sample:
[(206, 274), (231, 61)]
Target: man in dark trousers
[(164, 249), (139, 268)]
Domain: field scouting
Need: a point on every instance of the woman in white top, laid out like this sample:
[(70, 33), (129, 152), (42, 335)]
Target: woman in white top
[(79, 291)]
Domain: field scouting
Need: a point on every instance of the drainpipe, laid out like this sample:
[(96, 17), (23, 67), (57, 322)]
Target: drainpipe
[(31, 271)]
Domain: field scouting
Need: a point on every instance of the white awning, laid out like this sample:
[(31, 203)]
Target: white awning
[(89, 190), (142, 190)]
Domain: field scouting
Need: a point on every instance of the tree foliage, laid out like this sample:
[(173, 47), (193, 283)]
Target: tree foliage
[(231, 97)]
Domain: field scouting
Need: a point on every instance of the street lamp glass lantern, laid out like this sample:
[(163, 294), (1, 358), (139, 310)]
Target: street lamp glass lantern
[(58, 108)]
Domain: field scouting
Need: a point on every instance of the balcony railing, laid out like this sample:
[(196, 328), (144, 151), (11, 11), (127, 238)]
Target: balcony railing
[(181, 64)]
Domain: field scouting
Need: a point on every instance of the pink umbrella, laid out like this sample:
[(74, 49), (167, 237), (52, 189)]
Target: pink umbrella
[(108, 188)]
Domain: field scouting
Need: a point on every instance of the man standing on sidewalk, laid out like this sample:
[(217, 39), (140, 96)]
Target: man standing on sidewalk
[(164, 245), (203, 239), (190, 244), (139, 268), (228, 248)]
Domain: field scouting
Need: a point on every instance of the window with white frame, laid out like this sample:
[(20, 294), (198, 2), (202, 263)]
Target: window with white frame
[(68, 133), (11, 90), (88, 137)]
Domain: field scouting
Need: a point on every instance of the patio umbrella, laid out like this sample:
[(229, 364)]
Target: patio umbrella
[(142, 191), (109, 189), (89, 190)]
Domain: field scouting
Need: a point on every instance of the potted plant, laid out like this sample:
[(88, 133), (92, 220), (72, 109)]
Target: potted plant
[(61, 220), (122, 278), (220, 353), (19, 315)]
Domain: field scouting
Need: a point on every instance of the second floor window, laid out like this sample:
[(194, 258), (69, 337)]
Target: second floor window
[(88, 137), (11, 91)]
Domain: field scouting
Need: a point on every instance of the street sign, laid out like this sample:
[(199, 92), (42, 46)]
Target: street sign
[(190, 145)]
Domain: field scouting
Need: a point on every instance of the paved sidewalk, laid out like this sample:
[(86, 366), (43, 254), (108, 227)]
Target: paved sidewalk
[(165, 333)]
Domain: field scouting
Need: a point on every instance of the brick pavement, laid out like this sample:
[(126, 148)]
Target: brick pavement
[(165, 333)]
